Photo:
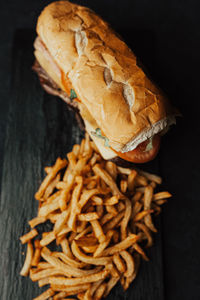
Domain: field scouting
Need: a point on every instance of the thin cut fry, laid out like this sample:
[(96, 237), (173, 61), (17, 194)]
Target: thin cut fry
[(130, 267), (74, 281), (74, 203), (28, 236), (100, 291), (111, 168), (119, 263), (88, 216), (65, 248), (129, 241), (148, 194), (126, 218), (98, 231), (161, 195), (36, 221), (88, 259), (142, 214), (48, 293), (36, 256), (27, 263), (60, 164), (47, 239)]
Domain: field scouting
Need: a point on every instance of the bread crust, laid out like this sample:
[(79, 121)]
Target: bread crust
[(103, 71)]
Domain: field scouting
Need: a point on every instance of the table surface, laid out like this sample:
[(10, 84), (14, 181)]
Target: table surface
[(174, 26)]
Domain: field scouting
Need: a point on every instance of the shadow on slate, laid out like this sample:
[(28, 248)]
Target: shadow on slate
[(40, 128)]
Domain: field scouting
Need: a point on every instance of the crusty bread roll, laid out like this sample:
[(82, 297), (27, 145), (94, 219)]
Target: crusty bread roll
[(104, 73)]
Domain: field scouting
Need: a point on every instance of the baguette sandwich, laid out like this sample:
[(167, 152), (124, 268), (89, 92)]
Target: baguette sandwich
[(81, 59)]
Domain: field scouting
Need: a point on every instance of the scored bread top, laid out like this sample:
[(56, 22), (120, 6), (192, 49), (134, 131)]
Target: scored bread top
[(103, 72)]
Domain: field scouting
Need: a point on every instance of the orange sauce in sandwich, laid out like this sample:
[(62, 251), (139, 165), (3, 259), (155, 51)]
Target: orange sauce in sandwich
[(67, 85)]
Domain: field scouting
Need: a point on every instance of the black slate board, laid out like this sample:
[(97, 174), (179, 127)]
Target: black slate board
[(41, 128)]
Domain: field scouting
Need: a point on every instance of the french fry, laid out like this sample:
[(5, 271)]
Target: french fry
[(124, 244), (111, 201), (75, 281), (36, 221), (148, 195), (119, 263), (130, 266), (69, 261), (69, 290), (110, 284), (140, 251), (111, 210), (46, 274), (65, 248), (27, 263), (131, 180), (126, 218), (103, 245), (36, 256), (142, 214), (88, 216), (123, 186), (28, 236), (61, 221), (146, 231), (97, 200), (43, 281), (107, 178), (88, 259), (50, 237), (98, 231), (100, 291), (48, 293), (51, 186), (161, 195), (60, 164), (111, 168), (74, 203)]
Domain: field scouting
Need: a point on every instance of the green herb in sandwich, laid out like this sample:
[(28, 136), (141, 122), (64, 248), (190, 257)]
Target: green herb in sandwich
[(98, 134), (149, 145), (72, 94)]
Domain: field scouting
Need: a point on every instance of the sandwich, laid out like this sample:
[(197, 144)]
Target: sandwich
[(83, 61)]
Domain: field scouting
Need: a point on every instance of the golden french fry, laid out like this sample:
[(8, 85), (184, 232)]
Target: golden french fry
[(119, 263), (88, 259), (147, 233), (36, 256), (74, 202), (126, 218), (45, 274), (43, 281), (75, 281), (113, 222), (161, 195), (48, 293), (65, 248), (100, 291), (36, 221), (69, 290), (27, 263), (142, 214), (98, 231), (103, 245), (28, 236), (107, 178), (130, 266), (131, 180), (88, 216), (50, 237), (110, 284), (76, 150), (68, 260), (61, 221), (51, 186), (97, 200), (137, 196), (123, 186), (111, 210), (124, 244), (72, 159), (152, 177), (48, 208), (111, 201), (60, 164), (105, 219), (140, 251), (148, 195), (87, 241), (111, 168)]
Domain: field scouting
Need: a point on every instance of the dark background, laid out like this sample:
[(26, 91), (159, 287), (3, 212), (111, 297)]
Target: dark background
[(170, 36)]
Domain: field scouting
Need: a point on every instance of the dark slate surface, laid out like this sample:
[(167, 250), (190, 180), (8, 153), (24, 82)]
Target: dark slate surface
[(41, 128), (175, 28)]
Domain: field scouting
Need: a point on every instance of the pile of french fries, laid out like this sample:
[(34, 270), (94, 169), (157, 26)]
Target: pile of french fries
[(102, 220)]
